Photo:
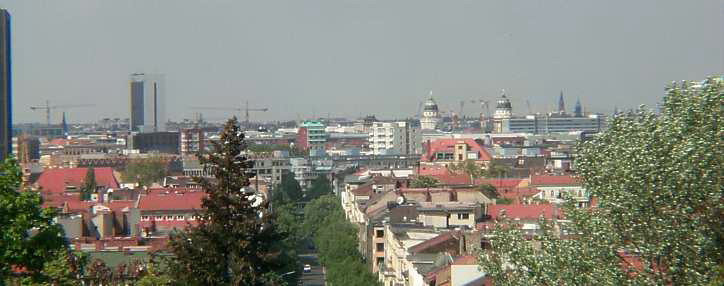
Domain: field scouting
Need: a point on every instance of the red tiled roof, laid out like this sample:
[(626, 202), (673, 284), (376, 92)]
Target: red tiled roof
[(182, 201), (363, 190), (433, 171), (55, 180), (517, 193), (519, 211), (82, 206), (545, 180), (465, 260), (448, 145)]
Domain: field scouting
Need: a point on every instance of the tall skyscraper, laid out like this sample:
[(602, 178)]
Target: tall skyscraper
[(6, 116), (148, 103)]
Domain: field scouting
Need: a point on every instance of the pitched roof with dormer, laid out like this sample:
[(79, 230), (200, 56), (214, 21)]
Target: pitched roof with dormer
[(448, 146)]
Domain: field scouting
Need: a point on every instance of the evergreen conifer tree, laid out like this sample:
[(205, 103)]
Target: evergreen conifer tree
[(235, 240), (89, 184)]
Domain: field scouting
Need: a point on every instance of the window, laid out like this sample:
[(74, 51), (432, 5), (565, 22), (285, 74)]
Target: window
[(159, 217), (463, 216), (460, 157), (380, 260), (145, 217), (179, 217), (380, 247), (380, 233)]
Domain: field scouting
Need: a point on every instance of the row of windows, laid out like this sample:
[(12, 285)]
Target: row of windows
[(169, 218)]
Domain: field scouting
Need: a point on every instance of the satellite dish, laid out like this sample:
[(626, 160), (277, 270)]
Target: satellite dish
[(400, 200)]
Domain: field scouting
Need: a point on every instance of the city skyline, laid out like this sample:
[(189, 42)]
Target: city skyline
[(355, 58)]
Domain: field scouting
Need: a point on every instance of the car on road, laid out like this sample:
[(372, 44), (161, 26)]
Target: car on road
[(307, 268)]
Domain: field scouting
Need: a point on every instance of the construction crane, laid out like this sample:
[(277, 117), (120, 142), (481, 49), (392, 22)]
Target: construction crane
[(483, 103), (48, 107), (462, 105), (246, 111)]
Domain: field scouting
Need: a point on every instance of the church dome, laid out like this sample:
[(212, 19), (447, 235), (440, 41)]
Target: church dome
[(430, 105), (503, 103)]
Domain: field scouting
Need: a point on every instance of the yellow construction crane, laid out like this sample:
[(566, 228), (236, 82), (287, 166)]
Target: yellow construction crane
[(246, 111), (47, 107)]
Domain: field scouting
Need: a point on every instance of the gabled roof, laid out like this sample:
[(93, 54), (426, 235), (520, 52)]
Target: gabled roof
[(447, 145), (524, 212), (442, 238), (363, 190), (55, 180), (546, 180), (160, 201)]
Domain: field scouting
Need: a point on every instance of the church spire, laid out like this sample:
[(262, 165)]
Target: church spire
[(578, 109), (561, 104), (65, 125)]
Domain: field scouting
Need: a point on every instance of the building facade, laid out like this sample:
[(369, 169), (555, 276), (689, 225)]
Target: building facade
[(162, 142), (192, 141), (552, 123), (148, 101), (6, 116), (312, 137), (394, 138)]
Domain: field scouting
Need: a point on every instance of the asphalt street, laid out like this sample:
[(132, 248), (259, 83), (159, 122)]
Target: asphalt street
[(316, 277)]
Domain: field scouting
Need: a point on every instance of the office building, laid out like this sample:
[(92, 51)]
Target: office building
[(6, 116), (312, 137), (148, 101), (395, 138), (161, 142), (554, 122)]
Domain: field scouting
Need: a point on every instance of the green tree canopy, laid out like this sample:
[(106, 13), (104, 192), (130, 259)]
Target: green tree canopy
[(320, 186), (657, 179), (287, 191), (145, 171), (28, 236), (235, 241), (424, 182), (336, 240), (468, 167)]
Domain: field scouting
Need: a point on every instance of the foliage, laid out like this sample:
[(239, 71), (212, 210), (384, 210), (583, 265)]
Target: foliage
[(489, 191), (504, 201), (89, 184), (336, 240), (424, 182), (659, 214), (469, 168), (496, 170), (235, 242), (65, 269), (287, 191), (320, 186), (146, 171), (99, 272), (28, 236), (154, 276)]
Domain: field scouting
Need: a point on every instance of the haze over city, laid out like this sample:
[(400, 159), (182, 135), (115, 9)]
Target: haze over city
[(305, 59)]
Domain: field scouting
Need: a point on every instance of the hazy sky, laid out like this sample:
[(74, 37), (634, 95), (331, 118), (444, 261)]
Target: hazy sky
[(354, 57)]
